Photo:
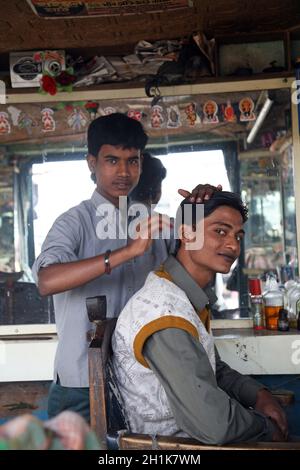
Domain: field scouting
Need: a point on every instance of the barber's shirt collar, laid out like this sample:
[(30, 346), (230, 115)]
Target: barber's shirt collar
[(106, 209)]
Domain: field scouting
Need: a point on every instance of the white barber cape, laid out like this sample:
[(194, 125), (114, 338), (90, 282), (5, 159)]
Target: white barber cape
[(160, 304)]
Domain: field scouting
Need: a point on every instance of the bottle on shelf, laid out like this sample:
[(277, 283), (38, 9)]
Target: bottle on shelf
[(257, 305), (283, 321), (273, 299), (288, 286), (298, 315), (293, 299), (297, 73)]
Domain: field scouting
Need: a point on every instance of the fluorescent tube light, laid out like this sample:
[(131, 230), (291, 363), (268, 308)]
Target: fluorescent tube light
[(260, 119)]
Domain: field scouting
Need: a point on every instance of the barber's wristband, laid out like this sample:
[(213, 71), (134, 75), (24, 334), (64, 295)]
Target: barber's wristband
[(106, 262)]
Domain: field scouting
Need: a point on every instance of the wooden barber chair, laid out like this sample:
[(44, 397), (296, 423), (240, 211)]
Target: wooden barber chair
[(107, 418)]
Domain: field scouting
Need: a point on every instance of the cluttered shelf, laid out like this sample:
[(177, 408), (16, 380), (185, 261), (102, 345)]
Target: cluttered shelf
[(129, 84), (165, 63), (136, 89)]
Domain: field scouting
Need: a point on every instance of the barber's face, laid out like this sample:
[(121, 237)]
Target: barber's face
[(117, 171)]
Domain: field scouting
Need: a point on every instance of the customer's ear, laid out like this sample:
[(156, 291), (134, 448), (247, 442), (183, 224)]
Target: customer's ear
[(186, 234)]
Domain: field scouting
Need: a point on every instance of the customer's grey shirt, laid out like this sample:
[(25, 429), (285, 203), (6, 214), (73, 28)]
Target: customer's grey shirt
[(74, 236), (211, 408)]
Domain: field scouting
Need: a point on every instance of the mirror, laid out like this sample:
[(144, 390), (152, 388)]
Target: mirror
[(227, 137), (7, 252)]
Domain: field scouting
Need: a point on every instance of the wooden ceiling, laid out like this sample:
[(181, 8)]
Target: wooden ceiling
[(21, 29)]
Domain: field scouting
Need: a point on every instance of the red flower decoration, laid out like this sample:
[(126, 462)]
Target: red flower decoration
[(69, 108), (65, 78), (91, 106), (37, 57), (48, 84)]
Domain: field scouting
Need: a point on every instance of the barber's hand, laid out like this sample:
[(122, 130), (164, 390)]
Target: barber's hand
[(202, 192), (143, 232), (269, 406)]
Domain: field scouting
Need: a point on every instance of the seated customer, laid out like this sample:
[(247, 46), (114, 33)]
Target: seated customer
[(170, 376)]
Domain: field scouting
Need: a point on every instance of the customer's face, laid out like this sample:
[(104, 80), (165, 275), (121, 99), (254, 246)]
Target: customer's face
[(223, 231), (117, 171)]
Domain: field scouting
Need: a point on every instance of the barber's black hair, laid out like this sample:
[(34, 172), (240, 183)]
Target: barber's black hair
[(219, 198), (115, 129), (153, 172)]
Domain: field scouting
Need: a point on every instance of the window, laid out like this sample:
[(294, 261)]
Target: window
[(57, 186), (187, 169), (60, 185)]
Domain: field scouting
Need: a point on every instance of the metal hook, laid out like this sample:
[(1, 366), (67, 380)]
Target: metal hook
[(157, 96)]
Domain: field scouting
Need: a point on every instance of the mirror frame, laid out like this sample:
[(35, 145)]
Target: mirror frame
[(108, 92)]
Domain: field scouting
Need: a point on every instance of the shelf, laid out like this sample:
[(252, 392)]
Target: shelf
[(252, 51), (119, 90), (255, 154), (258, 178)]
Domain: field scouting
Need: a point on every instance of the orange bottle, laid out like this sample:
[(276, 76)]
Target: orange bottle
[(273, 299)]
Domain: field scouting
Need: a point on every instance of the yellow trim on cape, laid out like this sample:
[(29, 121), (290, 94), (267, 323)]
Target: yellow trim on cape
[(168, 321)]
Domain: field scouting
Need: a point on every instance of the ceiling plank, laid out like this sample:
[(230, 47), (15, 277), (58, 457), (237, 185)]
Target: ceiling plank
[(21, 29)]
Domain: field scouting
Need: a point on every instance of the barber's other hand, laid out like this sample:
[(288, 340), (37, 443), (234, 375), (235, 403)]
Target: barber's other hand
[(202, 192), (269, 406)]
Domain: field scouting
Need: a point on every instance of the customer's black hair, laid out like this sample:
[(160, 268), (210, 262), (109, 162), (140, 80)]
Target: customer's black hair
[(153, 172), (189, 210), (115, 129)]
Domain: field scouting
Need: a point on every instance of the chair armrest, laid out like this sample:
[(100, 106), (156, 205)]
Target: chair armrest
[(130, 441)]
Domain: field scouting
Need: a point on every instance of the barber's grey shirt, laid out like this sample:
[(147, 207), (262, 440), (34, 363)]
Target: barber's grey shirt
[(210, 408), (74, 236)]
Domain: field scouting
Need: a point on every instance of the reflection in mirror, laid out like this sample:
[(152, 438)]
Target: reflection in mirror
[(7, 252), (241, 140)]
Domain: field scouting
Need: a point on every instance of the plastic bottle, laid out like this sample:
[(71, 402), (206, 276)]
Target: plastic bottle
[(257, 306), (298, 315), (288, 286), (297, 73), (293, 298), (273, 300)]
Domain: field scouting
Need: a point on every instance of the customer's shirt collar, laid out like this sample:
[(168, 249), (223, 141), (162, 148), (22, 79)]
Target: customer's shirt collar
[(198, 297)]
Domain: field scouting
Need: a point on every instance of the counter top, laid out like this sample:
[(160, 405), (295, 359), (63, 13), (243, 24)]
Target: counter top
[(251, 333), (27, 351), (259, 352)]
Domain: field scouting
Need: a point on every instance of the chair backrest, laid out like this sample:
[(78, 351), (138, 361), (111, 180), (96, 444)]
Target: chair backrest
[(106, 417), (106, 410)]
